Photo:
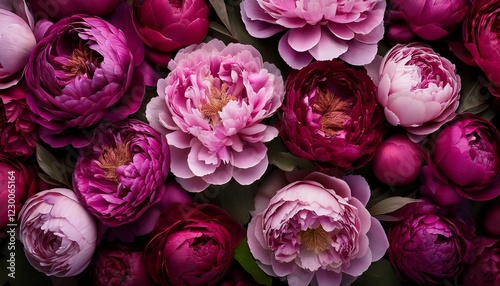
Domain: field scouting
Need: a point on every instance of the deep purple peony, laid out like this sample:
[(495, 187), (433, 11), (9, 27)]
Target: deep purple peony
[(122, 172), (81, 72), (330, 115), (320, 30), (211, 107)]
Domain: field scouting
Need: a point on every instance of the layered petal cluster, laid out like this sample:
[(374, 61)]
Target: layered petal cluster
[(485, 271), (330, 115), (315, 230), (192, 245), (428, 245), (465, 154), (18, 130), (429, 19), (167, 26), (59, 236), (122, 173), (82, 71), (211, 107), (320, 30), (414, 75)]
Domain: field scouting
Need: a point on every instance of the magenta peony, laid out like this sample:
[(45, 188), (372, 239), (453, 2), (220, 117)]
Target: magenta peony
[(414, 75), (397, 161), (315, 229), (58, 9), (323, 30), (18, 131), (330, 115), (83, 71), (211, 108), (58, 234), (429, 245), (442, 193), (465, 154), (429, 19), (122, 172), (16, 42), (120, 265), (167, 26), (192, 245), (485, 271), (18, 182), (481, 38)]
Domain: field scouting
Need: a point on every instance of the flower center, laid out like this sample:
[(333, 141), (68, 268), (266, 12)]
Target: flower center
[(83, 61), (112, 158), (315, 239), (175, 3), (217, 100), (333, 111), (480, 151)]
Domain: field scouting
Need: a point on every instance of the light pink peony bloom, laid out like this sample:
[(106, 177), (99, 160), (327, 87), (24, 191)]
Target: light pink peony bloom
[(418, 88), (58, 234), (210, 107), (323, 30), (315, 230)]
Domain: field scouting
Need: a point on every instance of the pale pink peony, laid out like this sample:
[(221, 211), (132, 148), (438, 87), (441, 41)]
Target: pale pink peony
[(315, 230), (210, 107), (419, 89), (323, 30)]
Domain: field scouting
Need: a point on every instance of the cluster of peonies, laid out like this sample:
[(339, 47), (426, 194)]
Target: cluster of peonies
[(140, 196)]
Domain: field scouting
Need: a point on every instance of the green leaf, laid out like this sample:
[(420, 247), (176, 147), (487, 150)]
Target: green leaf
[(390, 204), (51, 166), (474, 96), (243, 255), (221, 11), (379, 273), (284, 160)]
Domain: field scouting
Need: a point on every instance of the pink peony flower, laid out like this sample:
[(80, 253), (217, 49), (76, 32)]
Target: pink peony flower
[(315, 229), (18, 131), (323, 30), (210, 107), (397, 161), (414, 75), (58, 234)]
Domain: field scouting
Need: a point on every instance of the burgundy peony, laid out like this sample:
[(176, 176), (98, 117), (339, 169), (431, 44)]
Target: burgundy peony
[(465, 154), (57, 9), (429, 245), (17, 183), (167, 26), (83, 70), (120, 265), (330, 115), (192, 245), (485, 271), (18, 131), (397, 161), (122, 172)]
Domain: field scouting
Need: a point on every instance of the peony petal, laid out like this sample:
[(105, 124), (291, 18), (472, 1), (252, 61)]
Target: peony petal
[(329, 47), (359, 187), (294, 59), (328, 278), (378, 240), (304, 38)]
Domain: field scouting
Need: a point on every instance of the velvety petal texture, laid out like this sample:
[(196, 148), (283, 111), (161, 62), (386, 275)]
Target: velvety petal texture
[(59, 236), (192, 245), (58, 9), (485, 271), (81, 72), (330, 115), (414, 75), (211, 107), (320, 30), (122, 173), (315, 228)]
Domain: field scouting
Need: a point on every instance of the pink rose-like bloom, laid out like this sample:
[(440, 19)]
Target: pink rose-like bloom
[(315, 229), (323, 30), (210, 107), (465, 154), (18, 131), (415, 76), (18, 182), (429, 245), (120, 265), (397, 161), (122, 172), (57, 9), (166, 26), (58, 234), (428, 19)]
